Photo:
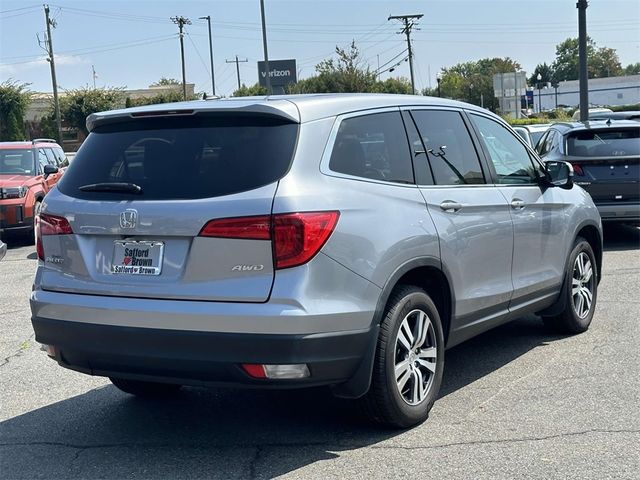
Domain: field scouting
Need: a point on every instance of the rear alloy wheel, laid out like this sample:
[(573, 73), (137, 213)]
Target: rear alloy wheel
[(145, 389), (581, 291), (409, 360)]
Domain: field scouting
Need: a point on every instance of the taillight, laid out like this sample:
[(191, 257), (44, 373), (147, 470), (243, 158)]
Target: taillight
[(249, 228), (297, 237), (577, 169), (49, 225)]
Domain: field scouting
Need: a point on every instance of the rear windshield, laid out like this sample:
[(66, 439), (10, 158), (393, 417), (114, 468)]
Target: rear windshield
[(17, 162), (604, 143), (183, 158)]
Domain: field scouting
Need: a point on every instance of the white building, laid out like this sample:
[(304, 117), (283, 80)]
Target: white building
[(602, 91)]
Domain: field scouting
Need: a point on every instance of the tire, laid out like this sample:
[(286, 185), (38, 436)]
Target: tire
[(580, 290), (145, 389), (393, 400)]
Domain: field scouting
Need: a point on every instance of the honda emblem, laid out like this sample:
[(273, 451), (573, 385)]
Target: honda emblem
[(129, 218)]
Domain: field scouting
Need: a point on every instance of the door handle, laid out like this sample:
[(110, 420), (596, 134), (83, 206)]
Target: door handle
[(449, 206), (517, 204)]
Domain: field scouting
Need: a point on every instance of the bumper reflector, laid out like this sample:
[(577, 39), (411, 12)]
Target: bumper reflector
[(296, 370)]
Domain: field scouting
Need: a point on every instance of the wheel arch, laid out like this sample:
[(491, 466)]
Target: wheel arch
[(424, 272), (592, 234)]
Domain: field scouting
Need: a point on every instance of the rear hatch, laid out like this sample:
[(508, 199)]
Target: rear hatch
[(140, 192), (607, 162)]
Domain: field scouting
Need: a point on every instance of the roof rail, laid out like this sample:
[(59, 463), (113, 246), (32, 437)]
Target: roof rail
[(43, 140)]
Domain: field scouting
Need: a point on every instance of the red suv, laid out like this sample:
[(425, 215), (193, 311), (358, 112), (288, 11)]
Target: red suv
[(28, 170)]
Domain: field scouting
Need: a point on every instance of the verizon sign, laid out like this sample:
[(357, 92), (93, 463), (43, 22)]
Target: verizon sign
[(281, 72)]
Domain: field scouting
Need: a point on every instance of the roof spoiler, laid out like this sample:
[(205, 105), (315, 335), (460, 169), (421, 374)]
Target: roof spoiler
[(289, 112), (43, 140)]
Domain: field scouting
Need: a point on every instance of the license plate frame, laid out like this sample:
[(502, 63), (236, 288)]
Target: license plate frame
[(145, 257)]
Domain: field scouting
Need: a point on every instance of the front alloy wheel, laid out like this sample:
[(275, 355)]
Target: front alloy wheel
[(579, 293), (582, 285)]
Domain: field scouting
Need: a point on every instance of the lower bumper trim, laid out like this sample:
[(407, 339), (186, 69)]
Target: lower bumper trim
[(200, 358)]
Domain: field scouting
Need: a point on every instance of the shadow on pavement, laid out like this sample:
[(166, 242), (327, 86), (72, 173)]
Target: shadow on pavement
[(619, 237), (205, 433)]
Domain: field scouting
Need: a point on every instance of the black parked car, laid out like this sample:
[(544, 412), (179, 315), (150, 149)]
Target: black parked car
[(606, 161)]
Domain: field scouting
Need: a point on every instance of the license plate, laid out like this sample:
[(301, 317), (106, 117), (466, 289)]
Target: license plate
[(137, 258)]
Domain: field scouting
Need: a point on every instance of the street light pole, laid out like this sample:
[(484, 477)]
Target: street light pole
[(266, 53), (582, 54), (213, 81), (539, 77)]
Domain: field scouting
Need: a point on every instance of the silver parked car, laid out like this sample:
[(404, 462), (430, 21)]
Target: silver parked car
[(3, 249), (282, 242)]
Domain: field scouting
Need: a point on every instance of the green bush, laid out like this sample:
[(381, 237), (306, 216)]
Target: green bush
[(14, 100)]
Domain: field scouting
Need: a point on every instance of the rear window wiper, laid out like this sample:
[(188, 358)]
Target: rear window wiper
[(111, 187)]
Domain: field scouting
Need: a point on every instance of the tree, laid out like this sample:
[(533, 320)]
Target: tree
[(164, 81), (602, 62), (546, 74), (168, 96), (251, 91), (605, 63), (77, 105), (345, 74), (632, 69), (14, 100), (473, 81)]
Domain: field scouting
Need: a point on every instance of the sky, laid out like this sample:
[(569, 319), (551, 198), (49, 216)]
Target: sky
[(134, 43)]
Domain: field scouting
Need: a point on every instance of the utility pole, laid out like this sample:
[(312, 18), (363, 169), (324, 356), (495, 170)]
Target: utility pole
[(407, 21), (213, 82), (582, 48), (237, 62), (52, 64), (181, 22), (266, 53)]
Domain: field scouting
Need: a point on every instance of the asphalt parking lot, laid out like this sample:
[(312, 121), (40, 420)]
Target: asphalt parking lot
[(516, 402)]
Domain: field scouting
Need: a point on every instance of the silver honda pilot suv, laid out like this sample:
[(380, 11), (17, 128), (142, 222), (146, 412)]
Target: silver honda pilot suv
[(297, 241)]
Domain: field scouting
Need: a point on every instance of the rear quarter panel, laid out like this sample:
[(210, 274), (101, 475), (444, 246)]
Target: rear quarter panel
[(382, 225)]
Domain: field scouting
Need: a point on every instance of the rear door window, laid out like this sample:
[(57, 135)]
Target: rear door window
[(183, 158), (450, 151), (373, 146)]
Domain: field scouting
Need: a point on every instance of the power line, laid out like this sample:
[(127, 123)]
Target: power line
[(206, 69), (387, 63)]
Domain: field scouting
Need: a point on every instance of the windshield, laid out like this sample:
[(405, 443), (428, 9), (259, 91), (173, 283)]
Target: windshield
[(18, 161), (604, 143), (181, 158)]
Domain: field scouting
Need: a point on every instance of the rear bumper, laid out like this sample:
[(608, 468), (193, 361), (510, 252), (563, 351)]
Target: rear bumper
[(201, 358), (619, 212)]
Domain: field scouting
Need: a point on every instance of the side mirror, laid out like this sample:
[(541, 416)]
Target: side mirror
[(559, 174), (49, 170)]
